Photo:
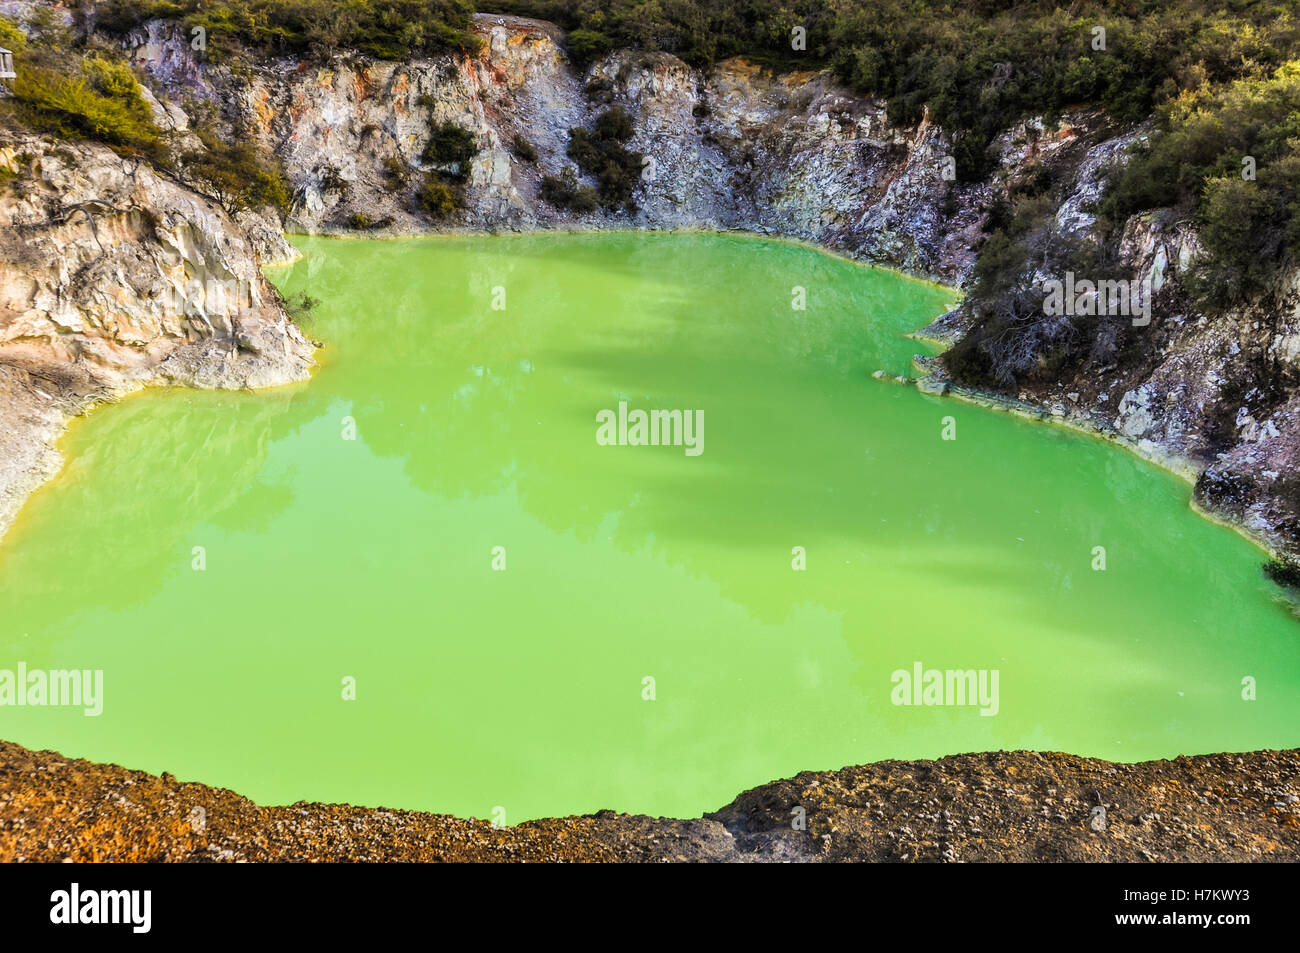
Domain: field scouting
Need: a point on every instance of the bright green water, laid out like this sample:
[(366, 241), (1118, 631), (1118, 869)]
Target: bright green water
[(372, 558)]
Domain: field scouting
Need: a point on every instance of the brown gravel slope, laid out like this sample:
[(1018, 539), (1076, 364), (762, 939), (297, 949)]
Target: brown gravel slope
[(1019, 805)]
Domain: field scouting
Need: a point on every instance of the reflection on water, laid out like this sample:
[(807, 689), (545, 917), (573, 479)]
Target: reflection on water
[(475, 428)]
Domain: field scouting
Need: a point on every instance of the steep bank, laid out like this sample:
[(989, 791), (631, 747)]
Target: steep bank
[(729, 147), (733, 147), (113, 278), (892, 225), (1000, 806), (1210, 396), (795, 155)]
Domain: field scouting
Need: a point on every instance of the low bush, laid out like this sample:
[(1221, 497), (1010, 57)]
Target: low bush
[(11, 37), (439, 199), (600, 152), (94, 98), (1284, 571), (564, 192), (238, 175), (524, 149), (450, 144), (300, 307), (395, 173), (385, 29), (586, 46)]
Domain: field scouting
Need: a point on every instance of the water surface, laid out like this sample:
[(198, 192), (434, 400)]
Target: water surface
[(372, 559)]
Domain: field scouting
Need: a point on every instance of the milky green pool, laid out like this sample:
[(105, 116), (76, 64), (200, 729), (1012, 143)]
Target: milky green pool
[(525, 688)]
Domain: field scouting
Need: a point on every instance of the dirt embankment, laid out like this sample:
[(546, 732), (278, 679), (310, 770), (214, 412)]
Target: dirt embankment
[(1017, 806)]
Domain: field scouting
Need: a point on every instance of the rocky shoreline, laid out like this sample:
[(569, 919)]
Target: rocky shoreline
[(1000, 806), (113, 278), (105, 269), (732, 147)]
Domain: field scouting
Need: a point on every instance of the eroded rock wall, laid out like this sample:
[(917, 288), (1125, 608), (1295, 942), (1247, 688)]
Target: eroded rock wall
[(1203, 395), (733, 147), (112, 278)]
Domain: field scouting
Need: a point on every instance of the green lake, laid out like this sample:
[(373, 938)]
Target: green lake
[(503, 588)]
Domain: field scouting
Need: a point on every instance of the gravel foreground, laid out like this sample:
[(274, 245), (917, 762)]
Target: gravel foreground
[(1015, 806)]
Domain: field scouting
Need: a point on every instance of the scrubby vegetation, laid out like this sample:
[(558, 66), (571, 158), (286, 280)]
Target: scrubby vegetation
[(449, 144), (96, 99), (300, 308), (396, 175), (81, 89), (1224, 158), (1220, 75), (386, 29), (239, 175), (77, 93), (439, 199), (977, 65), (1284, 571), (12, 38), (1215, 70), (600, 152), (443, 191), (564, 191), (1230, 157), (523, 149)]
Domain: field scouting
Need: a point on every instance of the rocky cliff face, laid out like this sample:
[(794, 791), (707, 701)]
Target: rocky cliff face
[(1198, 394), (732, 147), (113, 278), (728, 148)]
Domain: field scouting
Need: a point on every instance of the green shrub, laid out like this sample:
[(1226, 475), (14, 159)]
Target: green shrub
[(1284, 571), (449, 144), (439, 199), (615, 124), (101, 100), (585, 46), (977, 66), (11, 38), (564, 192), (1010, 340), (600, 152), (300, 307), (45, 28), (331, 179), (360, 220), (1249, 227), (524, 149), (395, 173), (599, 90), (238, 176), (385, 29)]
